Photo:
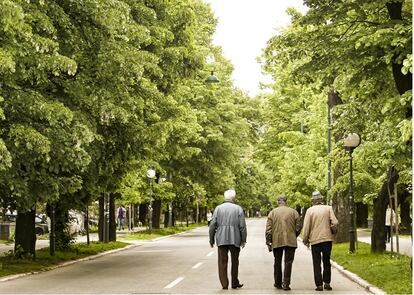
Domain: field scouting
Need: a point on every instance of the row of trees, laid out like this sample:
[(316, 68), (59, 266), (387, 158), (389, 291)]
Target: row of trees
[(344, 66), (94, 92)]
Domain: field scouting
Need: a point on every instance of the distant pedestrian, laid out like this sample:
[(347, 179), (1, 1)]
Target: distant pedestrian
[(389, 216), (121, 217), (228, 230), (282, 228), (209, 217), (319, 225)]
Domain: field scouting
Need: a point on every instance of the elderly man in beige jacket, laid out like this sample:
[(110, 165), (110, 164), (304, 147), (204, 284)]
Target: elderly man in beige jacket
[(318, 228), (282, 228)]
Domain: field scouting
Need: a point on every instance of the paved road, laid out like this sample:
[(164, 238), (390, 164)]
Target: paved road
[(405, 243), (182, 264)]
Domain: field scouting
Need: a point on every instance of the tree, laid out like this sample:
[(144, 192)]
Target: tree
[(361, 50)]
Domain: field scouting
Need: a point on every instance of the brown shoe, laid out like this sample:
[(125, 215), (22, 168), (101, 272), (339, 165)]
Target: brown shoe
[(319, 288)]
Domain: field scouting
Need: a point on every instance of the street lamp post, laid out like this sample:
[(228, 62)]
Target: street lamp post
[(150, 175), (351, 142)]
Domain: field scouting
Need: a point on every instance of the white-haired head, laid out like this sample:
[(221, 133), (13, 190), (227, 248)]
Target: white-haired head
[(229, 195)]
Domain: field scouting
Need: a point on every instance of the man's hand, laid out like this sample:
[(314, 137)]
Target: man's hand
[(269, 247), (243, 244)]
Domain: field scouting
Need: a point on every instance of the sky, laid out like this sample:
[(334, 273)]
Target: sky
[(244, 27)]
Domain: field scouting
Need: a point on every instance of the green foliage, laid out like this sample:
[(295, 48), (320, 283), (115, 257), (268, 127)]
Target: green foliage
[(389, 272), (94, 92), (355, 49)]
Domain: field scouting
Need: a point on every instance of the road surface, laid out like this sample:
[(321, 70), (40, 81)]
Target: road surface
[(181, 264)]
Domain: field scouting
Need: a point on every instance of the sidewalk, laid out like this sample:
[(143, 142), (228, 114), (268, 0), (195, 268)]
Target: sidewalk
[(405, 243)]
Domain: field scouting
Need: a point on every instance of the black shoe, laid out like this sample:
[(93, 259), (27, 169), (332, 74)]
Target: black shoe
[(225, 288), (277, 286), (286, 288), (319, 288), (237, 286), (327, 287)]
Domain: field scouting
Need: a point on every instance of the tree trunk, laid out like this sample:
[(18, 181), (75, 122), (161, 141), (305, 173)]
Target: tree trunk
[(361, 215), (25, 235), (156, 213), (166, 216), (340, 202), (341, 208), (62, 230), (402, 81), (406, 221), (143, 211), (380, 206), (87, 225), (101, 226), (112, 221)]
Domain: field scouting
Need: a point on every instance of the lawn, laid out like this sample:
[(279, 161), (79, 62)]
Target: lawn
[(10, 265), (390, 272)]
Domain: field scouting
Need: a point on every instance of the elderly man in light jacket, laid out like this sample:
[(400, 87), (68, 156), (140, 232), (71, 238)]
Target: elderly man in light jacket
[(318, 230), (228, 229), (282, 228)]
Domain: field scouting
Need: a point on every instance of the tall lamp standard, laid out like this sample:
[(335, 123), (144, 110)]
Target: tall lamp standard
[(350, 143), (150, 175)]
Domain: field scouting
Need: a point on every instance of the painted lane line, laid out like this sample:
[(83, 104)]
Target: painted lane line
[(173, 283), (197, 265), (154, 251), (211, 253)]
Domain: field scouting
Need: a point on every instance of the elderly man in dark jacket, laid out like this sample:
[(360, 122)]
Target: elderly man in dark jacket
[(228, 229), (282, 228)]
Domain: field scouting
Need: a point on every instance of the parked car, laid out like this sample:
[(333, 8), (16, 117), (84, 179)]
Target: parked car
[(41, 224)]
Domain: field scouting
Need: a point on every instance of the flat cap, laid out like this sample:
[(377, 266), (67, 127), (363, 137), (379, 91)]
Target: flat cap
[(282, 198), (316, 195)]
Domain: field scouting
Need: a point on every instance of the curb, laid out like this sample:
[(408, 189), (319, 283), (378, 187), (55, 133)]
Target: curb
[(355, 278), (16, 276)]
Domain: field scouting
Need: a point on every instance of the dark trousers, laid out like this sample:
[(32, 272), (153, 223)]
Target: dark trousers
[(388, 233), (322, 250), (277, 268), (223, 259)]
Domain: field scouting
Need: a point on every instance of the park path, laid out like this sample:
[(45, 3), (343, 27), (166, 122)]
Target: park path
[(405, 243)]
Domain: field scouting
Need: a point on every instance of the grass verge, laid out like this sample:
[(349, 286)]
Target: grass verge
[(156, 233), (389, 272), (10, 265)]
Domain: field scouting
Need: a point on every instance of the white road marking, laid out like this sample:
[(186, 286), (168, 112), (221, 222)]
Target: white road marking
[(154, 251), (173, 283), (211, 253), (197, 265)]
